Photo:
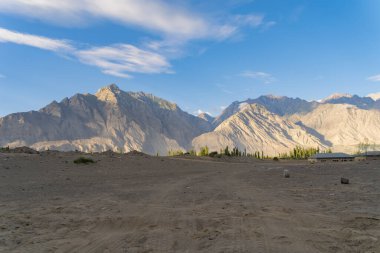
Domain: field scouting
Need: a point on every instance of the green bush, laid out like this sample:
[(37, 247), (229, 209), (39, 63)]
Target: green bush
[(83, 160), (204, 151), (213, 154), (227, 151), (4, 149), (175, 152)]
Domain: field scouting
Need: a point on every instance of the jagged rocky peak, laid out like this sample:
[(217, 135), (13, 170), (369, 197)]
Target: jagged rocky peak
[(150, 98), (112, 94), (256, 108), (336, 96), (274, 97), (110, 119), (374, 96), (360, 102), (108, 93), (205, 116), (54, 108)]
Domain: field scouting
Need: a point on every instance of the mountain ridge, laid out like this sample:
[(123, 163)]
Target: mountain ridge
[(110, 119), (255, 128), (123, 121)]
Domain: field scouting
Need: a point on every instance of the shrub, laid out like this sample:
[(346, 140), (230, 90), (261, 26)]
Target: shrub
[(175, 152), (213, 154), (4, 149), (227, 151), (275, 159), (204, 151), (84, 160)]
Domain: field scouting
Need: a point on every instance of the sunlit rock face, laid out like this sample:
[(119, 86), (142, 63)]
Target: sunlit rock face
[(344, 125), (122, 121), (110, 119), (254, 128), (279, 105)]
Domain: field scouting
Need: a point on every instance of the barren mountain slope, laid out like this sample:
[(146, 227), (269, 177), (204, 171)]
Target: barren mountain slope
[(257, 129), (110, 119), (360, 102), (374, 96), (343, 125), (280, 105), (207, 117)]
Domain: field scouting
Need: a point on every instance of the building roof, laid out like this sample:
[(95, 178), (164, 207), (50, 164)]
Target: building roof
[(371, 153), (331, 156)]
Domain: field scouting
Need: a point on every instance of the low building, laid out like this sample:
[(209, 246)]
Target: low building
[(371, 155), (331, 157), (360, 158)]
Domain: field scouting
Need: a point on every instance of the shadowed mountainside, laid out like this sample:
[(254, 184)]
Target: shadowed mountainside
[(110, 119), (124, 121)]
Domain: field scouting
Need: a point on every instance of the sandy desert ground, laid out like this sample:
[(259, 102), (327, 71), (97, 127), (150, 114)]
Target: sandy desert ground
[(137, 203)]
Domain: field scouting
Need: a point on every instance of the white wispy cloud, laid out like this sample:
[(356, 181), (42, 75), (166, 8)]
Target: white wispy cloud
[(268, 25), (118, 60), (34, 41), (171, 20), (261, 76), (253, 20), (375, 78), (173, 25), (155, 15)]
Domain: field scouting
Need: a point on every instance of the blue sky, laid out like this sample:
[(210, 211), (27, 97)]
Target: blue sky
[(203, 55)]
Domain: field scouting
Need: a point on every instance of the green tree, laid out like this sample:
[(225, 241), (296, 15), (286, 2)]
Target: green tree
[(227, 151), (364, 146), (203, 151), (175, 152)]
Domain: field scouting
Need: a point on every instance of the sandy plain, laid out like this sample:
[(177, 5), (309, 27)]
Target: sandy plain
[(138, 203)]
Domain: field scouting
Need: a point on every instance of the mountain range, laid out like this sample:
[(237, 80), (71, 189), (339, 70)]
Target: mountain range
[(123, 121)]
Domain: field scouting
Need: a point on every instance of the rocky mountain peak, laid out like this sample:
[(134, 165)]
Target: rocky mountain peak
[(205, 116), (256, 108), (108, 93), (274, 97), (151, 99), (336, 96), (374, 96)]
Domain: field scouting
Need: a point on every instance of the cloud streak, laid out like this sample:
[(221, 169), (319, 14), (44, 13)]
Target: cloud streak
[(154, 15), (251, 20), (375, 78), (34, 41), (174, 25), (260, 76), (118, 60)]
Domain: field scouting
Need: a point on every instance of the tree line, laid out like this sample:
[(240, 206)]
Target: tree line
[(296, 153)]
